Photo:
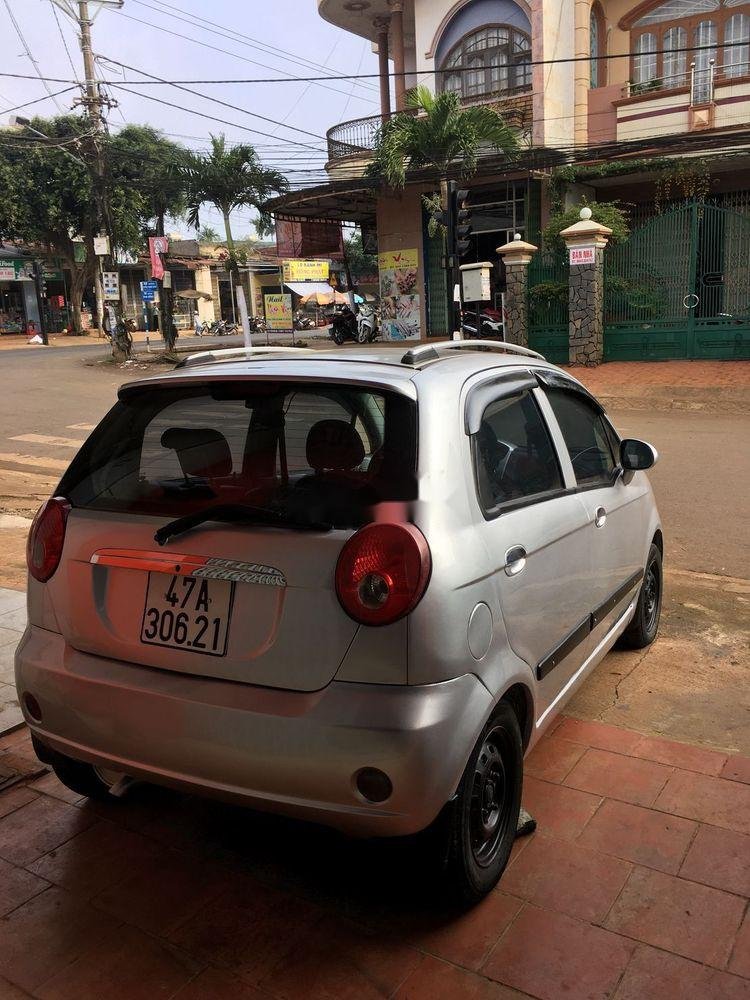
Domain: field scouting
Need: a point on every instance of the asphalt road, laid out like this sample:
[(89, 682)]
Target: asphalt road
[(702, 480)]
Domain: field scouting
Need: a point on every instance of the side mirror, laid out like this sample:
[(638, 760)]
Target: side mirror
[(637, 455)]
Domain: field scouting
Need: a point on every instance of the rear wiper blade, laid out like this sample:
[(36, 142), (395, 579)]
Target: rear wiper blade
[(236, 513)]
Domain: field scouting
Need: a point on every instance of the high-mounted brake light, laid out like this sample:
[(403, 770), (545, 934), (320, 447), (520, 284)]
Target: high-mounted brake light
[(382, 572), (46, 537)]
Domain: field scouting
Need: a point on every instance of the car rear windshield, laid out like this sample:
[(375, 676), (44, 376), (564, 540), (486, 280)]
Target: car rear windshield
[(323, 452)]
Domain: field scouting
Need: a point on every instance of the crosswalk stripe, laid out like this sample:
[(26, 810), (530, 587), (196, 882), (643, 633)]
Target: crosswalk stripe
[(36, 463), (48, 439), (81, 427), (29, 477)]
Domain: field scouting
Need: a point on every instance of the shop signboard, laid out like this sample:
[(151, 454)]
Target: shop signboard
[(306, 270), (17, 270), (101, 246), (111, 284), (399, 296), (278, 312)]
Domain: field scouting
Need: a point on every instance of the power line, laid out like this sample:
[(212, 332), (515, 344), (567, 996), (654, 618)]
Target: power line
[(32, 60), (288, 78), (64, 41), (216, 100), (202, 114), (27, 104), (234, 35)]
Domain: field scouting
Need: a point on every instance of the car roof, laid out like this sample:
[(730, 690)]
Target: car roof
[(401, 366)]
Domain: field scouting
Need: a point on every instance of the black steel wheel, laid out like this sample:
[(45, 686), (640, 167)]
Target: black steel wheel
[(485, 813), (645, 624)]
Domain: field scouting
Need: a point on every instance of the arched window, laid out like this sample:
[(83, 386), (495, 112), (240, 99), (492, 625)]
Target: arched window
[(597, 37), (493, 61), (719, 30)]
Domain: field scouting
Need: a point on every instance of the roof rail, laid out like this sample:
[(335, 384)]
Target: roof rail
[(418, 356), (237, 354)]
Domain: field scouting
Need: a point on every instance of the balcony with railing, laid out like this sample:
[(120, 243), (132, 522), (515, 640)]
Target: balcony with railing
[(703, 97), (355, 140)]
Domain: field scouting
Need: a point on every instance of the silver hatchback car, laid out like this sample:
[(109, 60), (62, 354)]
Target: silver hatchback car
[(350, 587)]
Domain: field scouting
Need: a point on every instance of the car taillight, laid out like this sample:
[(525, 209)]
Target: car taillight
[(382, 572), (45, 544)]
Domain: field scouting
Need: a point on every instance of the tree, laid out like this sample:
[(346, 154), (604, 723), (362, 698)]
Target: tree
[(228, 178), (606, 213), (207, 234), (48, 192), (361, 263), (437, 135)]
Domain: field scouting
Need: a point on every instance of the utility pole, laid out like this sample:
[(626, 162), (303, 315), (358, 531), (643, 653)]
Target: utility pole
[(93, 104)]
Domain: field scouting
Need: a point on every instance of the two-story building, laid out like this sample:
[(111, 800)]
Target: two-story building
[(610, 100)]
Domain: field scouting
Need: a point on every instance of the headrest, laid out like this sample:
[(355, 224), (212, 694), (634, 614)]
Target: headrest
[(334, 444), (201, 451)]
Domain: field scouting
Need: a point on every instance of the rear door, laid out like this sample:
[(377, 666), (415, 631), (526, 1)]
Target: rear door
[(535, 528), (250, 602)]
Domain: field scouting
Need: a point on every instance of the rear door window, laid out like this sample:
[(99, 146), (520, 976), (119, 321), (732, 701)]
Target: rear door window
[(332, 450), (514, 455)]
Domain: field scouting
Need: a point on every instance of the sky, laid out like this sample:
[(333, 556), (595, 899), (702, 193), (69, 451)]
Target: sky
[(258, 39)]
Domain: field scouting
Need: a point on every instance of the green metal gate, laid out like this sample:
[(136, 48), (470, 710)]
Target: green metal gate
[(548, 306), (680, 287)]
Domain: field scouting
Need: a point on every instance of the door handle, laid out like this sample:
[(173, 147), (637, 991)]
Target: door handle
[(600, 518), (515, 560)]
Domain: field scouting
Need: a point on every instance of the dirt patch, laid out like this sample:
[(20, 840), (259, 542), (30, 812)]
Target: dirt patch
[(693, 683)]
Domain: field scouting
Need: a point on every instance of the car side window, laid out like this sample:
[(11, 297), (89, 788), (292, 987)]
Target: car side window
[(514, 455), (586, 437)]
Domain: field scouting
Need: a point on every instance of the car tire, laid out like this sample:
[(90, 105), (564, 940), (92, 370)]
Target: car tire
[(84, 779), (484, 815), (644, 627)]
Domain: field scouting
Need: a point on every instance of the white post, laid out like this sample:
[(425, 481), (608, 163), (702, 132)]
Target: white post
[(243, 316)]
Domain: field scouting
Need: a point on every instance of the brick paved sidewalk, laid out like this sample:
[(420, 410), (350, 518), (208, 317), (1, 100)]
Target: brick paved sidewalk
[(635, 887)]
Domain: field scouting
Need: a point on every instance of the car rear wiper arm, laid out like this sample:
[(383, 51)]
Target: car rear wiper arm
[(236, 513)]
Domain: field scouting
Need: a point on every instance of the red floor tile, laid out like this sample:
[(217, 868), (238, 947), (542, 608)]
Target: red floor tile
[(49, 932), (463, 938), (17, 886), (740, 960), (10, 992), (14, 798), (338, 961), (132, 966), (720, 858), (50, 784), (559, 811), (249, 930), (599, 735), (215, 984), (656, 975), (434, 980), (683, 755), (643, 836), (615, 776), (553, 758), (691, 920), (715, 801), (163, 892), (39, 827), (101, 856), (557, 875), (550, 956), (737, 769)]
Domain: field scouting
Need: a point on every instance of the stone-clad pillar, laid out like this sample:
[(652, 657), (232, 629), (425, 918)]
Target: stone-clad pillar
[(381, 23), (517, 257), (586, 241)]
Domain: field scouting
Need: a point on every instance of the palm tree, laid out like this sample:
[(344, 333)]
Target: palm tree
[(436, 132), (207, 234), (228, 178)]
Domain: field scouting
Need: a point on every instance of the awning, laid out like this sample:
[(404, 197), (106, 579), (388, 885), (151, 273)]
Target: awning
[(309, 287)]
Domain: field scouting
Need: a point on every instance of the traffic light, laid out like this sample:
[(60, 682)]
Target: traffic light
[(463, 219)]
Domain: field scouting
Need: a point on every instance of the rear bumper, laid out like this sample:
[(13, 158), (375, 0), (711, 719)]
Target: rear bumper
[(290, 752)]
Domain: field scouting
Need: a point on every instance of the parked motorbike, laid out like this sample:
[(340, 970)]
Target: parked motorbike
[(303, 322), (490, 325), (368, 324), (344, 326)]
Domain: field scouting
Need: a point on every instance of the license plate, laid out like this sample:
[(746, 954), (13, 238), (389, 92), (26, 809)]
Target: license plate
[(185, 612)]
